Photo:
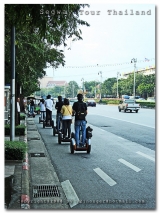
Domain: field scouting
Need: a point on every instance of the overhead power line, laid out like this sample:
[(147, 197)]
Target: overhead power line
[(105, 65)]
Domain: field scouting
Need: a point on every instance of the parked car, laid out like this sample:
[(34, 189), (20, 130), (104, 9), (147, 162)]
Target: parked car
[(91, 103), (125, 96)]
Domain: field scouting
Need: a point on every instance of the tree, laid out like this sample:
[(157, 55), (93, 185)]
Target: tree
[(53, 22), (106, 87), (147, 87), (72, 89), (36, 31)]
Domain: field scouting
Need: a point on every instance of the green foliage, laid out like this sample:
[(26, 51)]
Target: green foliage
[(15, 150), (22, 116), (107, 86), (147, 104), (38, 34), (19, 130), (72, 89)]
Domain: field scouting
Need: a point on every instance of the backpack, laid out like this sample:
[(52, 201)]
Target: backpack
[(81, 111)]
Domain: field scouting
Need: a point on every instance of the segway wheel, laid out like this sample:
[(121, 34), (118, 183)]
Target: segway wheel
[(72, 135), (54, 130), (89, 149), (39, 120), (43, 124), (71, 148), (52, 124), (59, 137)]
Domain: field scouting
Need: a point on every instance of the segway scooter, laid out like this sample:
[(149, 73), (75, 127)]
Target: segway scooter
[(50, 123), (61, 139), (55, 131), (41, 120), (87, 147)]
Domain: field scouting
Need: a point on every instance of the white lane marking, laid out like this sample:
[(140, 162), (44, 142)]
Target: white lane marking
[(129, 165), (105, 177), (146, 156), (123, 120), (121, 138), (70, 193)]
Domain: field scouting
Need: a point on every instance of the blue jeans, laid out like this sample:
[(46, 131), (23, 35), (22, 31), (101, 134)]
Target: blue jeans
[(31, 109), (43, 115), (78, 124), (59, 121)]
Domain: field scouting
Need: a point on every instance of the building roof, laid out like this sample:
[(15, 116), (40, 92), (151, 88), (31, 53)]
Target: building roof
[(56, 83)]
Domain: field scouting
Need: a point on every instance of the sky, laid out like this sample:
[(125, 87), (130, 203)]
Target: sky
[(109, 43)]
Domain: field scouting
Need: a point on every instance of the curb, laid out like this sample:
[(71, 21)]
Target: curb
[(25, 196)]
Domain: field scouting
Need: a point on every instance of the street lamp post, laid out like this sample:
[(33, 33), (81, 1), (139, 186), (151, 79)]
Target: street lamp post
[(82, 84), (100, 73), (134, 84), (117, 84), (95, 90)]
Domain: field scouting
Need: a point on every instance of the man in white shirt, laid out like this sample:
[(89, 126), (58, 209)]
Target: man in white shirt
[(48, 105)]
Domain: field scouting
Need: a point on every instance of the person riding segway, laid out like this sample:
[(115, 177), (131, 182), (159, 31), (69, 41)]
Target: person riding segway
[(58, 107), (80, 111), (81, 139), (48, 104)]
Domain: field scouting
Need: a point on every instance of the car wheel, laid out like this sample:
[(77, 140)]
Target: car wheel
[(136, 111), (119, 110)]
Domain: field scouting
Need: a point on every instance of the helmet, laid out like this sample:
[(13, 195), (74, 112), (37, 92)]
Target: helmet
[(80, 97)]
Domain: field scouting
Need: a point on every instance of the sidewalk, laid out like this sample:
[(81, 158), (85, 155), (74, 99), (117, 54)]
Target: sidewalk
[(35, 182)]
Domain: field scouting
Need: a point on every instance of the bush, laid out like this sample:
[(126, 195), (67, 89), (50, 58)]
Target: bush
[(22, 116), (146, 104), (15, 150), (19, 130)]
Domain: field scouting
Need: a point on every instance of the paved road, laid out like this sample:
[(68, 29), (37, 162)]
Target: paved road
[(119, 173)]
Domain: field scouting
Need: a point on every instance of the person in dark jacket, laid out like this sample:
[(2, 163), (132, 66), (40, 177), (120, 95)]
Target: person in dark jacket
[(80, 111), (58, 107)]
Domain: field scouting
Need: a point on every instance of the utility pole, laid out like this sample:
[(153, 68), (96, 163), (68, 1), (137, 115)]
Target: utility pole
[(117, 84), (12, 112), (95, 89), (134, 84), (100, 73)]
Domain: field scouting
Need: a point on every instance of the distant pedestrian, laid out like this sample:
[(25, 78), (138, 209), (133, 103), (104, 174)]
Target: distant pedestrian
[(31, 106)]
